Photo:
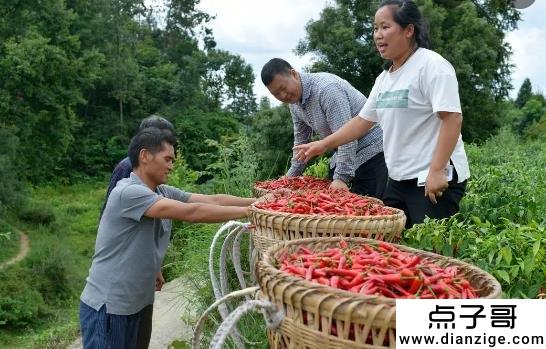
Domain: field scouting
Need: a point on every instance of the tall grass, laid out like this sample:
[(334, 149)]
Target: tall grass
[(40, 295)]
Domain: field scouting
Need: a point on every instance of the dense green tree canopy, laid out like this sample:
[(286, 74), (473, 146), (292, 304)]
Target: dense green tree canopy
[(83, 74)]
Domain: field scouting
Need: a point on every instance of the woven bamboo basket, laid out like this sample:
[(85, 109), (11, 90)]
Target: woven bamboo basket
[(259, 192), (273, 227), (311, 309)]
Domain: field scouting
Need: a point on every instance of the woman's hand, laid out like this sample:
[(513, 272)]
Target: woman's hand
[(306, 152), (435, 185)]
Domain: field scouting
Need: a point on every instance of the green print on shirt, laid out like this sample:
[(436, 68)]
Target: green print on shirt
[(393, 99)]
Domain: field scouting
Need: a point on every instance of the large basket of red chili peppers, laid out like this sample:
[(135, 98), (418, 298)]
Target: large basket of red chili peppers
[(292, 215), (341, 292), (290, 183)]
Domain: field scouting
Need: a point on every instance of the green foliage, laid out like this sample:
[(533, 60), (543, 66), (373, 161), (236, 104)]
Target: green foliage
[(537, 130), (53, 271), (11, 186), (39, 302), (84, 74), (342, 41), (501, 227), (9, 242), (20, 304), (235, 167), (320, 168), (44, 87), (56, 337), (508, 180), (524, 94), (507, 250), (272, 137), (226, 83), (194, 127), (182, 176), (532, 112), (37, 213)]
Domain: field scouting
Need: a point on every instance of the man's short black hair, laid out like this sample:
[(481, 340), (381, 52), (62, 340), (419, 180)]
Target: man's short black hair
[(274, 67), (157, 121), (150, 138)]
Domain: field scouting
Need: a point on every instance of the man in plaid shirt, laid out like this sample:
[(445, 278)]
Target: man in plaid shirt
[(321, 103)]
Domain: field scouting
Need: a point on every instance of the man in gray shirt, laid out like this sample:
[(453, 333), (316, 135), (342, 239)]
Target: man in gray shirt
[(132, 239), (322, 103)]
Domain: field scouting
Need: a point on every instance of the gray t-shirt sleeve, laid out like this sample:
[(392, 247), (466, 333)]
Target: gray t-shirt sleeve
[(174, 193), (135, 200)]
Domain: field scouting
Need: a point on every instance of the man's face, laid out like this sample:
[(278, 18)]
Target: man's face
[(159, 165), (286, 87)]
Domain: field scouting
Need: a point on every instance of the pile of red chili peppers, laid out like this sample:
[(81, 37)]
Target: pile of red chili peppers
[(377, 269), (325, 202), (294, 183)]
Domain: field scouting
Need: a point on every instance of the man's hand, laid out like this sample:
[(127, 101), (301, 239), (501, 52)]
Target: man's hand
[(306, 152), (435, 185), (338, 184), (159, 281)]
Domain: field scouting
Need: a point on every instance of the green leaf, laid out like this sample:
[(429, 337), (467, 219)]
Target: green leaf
[(536, 247), (506, 253), (503, 275), (491, 256)]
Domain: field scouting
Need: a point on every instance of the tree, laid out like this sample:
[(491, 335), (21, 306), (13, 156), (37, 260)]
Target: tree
[(11, 186), (272, 138), (342, 42), (47, 73), (524, 94), (532, 111), (228, 82)]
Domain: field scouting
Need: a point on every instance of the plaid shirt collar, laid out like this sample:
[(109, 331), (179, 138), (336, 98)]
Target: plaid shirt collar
[(305, 87)]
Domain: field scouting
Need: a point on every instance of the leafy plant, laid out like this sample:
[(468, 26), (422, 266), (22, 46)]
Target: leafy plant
[(319, 168), (501, 227)]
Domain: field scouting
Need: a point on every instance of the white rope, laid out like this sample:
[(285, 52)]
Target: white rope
[(236, 259), (224, 287), (195, 339), (253, 259), (222, 308), (272, 316)]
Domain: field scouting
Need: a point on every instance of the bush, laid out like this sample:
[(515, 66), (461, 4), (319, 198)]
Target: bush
[(53, 268), (37, 213), (508, 181), (21, 303), (235, 168), (537, 130)]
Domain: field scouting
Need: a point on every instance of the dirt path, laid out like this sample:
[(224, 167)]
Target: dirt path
[(167, 325), (24, 248)]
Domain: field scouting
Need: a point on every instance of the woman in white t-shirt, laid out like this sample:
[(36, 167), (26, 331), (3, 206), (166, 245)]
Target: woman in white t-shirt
[(416, 102)]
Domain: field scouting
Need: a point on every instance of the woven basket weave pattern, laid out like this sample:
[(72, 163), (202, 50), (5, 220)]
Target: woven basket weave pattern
[(273, 227), (372, 318)]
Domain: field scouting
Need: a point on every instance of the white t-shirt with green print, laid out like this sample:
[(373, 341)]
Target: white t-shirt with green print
[(405, 103)]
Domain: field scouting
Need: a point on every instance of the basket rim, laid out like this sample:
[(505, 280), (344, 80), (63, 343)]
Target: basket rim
[(398, 213), (266, 262)]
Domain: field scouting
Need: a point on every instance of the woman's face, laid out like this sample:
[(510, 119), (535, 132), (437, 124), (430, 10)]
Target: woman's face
[(392, 41)]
